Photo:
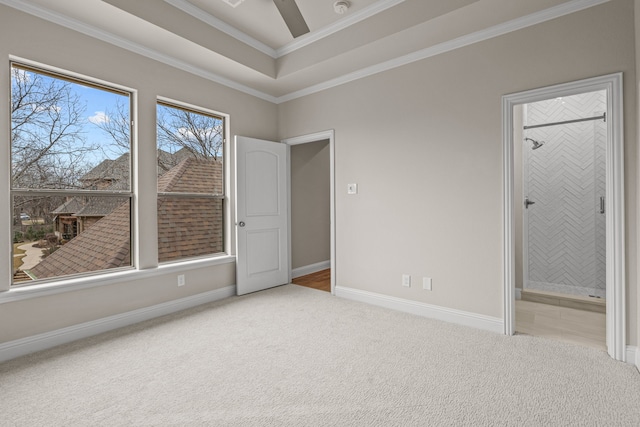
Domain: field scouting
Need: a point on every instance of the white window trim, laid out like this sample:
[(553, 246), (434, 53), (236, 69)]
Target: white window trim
[(112, 278), (10, 294), (226, 162), (6, 232)]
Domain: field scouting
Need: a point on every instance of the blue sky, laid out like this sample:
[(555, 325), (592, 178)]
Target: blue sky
[(93, 104), (98, 104)]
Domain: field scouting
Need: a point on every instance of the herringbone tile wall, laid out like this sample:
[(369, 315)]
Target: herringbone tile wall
[(564, 229)]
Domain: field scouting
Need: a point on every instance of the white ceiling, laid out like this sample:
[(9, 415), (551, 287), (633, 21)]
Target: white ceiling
[(260, 19), (249, 47)]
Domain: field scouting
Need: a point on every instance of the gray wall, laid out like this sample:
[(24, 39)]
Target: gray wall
[(310, 204), (423, 142), (56, 46)]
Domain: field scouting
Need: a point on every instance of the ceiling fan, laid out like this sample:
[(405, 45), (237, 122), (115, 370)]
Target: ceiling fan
[(292, 17)]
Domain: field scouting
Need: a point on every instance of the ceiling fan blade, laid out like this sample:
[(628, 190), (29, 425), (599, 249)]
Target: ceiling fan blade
[(292, 17)]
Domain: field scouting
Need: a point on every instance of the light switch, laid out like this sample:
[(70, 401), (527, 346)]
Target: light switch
[(352, 188)]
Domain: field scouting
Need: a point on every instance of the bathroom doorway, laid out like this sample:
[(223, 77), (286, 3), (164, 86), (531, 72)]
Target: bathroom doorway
[(563, 219), (564, 237)]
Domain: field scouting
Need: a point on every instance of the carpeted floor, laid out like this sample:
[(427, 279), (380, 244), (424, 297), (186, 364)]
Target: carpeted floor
[(294, 356)]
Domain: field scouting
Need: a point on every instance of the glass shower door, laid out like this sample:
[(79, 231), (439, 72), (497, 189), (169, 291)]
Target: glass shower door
[(564, 189)]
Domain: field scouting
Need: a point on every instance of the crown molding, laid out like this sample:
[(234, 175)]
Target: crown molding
[(339, 25), (466, 40), (300, 42), (478, 36), (115, 40), (196, 12)]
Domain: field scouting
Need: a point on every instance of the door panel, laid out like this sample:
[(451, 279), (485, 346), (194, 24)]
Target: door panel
[(260, 256), (261, 212)]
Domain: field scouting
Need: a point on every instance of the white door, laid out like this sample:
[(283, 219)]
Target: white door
[(261, 211)]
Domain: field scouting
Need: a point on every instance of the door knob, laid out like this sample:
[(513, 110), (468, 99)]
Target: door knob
[(241, 224), (528, 202)]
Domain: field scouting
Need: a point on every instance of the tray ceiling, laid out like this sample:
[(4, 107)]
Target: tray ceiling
[(248, 47)]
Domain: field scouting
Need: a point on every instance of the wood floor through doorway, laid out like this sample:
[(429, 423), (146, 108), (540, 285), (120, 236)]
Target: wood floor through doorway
[(320, 280)]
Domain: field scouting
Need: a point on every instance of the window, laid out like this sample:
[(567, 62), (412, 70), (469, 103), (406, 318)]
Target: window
[(70, 176), (190, 182)]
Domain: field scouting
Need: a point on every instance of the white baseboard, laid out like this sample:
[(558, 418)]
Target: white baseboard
[(518, 293), (633, 356), (459, 317), (309, 269), (23, 346)]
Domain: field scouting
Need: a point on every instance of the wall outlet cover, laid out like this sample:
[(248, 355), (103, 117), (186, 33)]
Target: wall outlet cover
[(406, 280)]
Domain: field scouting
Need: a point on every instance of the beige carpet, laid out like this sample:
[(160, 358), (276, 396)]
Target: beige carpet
[(293, 356)]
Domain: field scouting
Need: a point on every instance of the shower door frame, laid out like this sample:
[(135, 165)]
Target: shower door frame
[(615, 231)]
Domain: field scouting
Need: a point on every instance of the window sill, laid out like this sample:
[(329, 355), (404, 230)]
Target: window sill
[(80, 283)]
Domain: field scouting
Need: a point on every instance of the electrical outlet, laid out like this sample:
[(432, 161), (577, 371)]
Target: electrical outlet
[(426, 283), (181, 281), (406, 280)]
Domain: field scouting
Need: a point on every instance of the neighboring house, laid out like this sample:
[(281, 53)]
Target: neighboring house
[(103, 246), (65, 221), (107, 174), (187, 227), (79, 213)]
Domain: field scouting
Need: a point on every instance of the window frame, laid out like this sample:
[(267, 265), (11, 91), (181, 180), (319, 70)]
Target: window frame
[(224, 197), (94, 83)]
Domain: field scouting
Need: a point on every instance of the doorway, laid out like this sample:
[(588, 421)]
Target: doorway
[(561, 157), (570, 199), (311, 207)]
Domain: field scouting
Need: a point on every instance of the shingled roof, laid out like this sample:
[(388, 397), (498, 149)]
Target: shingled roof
[(71, 206), (112, 175), (187, 227), (103, 246), (99, 206), (108, 172), (193, 175)]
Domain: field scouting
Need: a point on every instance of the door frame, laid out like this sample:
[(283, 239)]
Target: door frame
[(615, 227), (304, 139)]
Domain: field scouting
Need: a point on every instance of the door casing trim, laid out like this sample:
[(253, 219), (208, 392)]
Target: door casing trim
[(303, 139), (615, 228)]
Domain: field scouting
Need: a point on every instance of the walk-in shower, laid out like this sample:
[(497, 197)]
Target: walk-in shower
[(564, 240)]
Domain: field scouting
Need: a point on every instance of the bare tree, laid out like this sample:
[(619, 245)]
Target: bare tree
[(47, 144), (181, 133), (199, 134), (117, 124), (48, 147)]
